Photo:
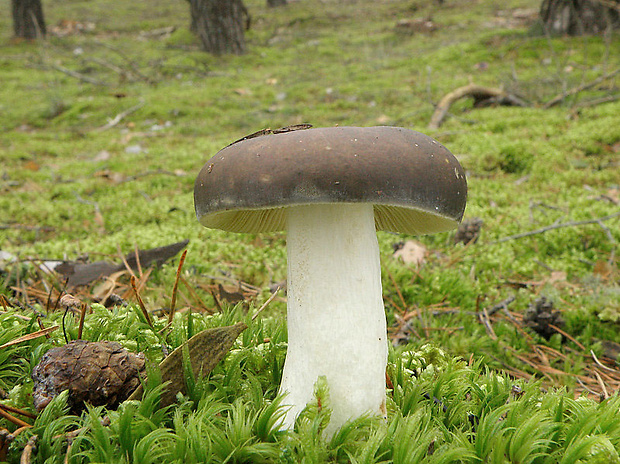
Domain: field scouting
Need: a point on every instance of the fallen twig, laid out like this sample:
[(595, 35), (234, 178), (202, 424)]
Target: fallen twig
[(596, 360), (580, 88), (128, 60), (265, 304), (597, 101), (501, 305), (13, 419), (15, 410), (564, 334), (151, 173), (78, 75), (29, 450), (119, 117), (36, 229), (108, 65), (484, 319), (479, 94), (556, 226)]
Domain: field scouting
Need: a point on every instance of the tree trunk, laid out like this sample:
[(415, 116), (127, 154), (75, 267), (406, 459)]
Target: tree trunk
[(220, 25), (577, 17), (28, 22), (274, 3)]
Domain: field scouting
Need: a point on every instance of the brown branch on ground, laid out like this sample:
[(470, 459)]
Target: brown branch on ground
[(481, 95), (21, 412), (486, 321), (484, 96), (29, 450), (14, 420), (580, 88), (78, 75), (131, 63), (597, 101), (556, 226)]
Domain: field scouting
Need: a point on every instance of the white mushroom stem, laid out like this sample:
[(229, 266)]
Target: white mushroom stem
[(336, 319)]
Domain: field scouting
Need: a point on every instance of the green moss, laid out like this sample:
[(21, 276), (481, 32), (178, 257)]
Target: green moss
[(333, 63)]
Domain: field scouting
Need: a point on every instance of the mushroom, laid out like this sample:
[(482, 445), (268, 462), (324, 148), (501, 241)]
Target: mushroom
[(331, 189)]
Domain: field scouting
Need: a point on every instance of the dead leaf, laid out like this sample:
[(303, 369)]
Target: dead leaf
[(82, 274), (32, 165), (602, 269), (412, 252), (206, 349), (557, 276), (105, 288), (155, 256), (231, 295)]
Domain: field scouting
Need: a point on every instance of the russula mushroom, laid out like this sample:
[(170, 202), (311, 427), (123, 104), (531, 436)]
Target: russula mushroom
[(331, 189)]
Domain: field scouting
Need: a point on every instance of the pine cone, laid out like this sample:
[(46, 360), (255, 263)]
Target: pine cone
[(468, 230), (541, 315), (98, 373)]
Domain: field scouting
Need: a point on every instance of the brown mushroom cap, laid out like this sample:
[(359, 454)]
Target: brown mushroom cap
[(415, 184)]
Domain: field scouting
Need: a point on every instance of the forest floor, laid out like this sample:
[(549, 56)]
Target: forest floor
[(105, 124)]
